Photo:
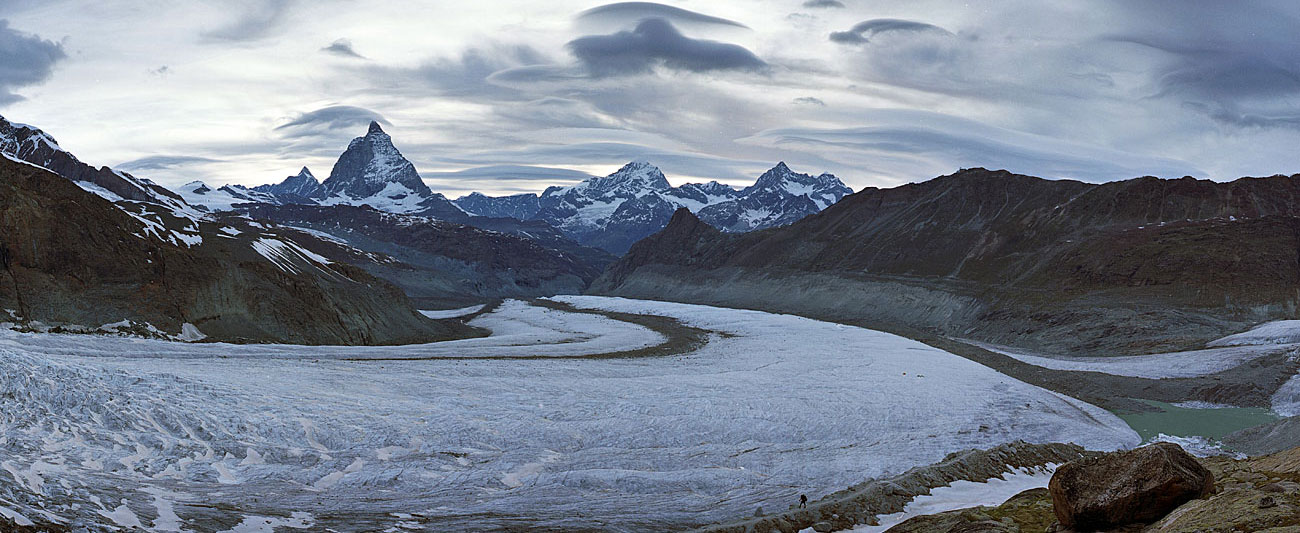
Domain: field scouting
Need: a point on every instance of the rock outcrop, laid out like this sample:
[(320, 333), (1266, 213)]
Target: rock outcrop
[(1131, 487), (30, 144)]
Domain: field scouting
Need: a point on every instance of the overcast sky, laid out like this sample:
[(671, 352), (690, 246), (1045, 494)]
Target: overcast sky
[(507, 96)]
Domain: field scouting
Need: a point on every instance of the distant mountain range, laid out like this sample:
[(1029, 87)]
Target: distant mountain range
[(617, 210), (609, 212)]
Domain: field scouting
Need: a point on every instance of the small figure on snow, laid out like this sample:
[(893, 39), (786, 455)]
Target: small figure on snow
[(803, 501)]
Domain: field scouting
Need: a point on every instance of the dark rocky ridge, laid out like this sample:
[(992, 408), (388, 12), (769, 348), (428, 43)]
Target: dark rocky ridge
[(71, 257), (39, 148), (445, 263), (518, 206), (1125, 267)]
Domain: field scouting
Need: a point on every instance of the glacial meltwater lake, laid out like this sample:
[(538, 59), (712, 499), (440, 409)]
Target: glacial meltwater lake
[(1211, 423)]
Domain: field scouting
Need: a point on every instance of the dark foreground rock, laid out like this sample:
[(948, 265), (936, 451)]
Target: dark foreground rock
[(1133, 487)]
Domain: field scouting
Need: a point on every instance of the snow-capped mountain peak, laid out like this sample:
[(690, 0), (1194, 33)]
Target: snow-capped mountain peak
[(196, 187), (297, 188), (824, 189), (636, 178), (777, 177), (371, 171), (369, 165), (16, 138)]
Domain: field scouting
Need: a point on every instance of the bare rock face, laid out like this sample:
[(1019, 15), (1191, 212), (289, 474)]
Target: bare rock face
[(1132, 487)]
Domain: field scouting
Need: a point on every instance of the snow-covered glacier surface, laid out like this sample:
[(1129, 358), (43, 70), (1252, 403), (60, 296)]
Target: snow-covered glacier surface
[(1185, 364), (109, 432)]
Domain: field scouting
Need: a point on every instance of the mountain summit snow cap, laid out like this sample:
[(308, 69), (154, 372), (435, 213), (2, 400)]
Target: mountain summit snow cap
[(370, 165), (637, 177)]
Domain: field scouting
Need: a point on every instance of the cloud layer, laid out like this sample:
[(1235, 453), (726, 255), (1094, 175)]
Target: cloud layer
[(25, 60), (330, 118), (655, 41), (513, 96), (864, 31), (623, 12)]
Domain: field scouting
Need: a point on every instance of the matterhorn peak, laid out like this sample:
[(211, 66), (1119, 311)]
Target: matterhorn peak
[(372, 164)]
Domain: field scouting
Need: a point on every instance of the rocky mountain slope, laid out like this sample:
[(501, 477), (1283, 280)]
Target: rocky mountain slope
[(74, 261), (1123, 267), (614, 211), (440, 263)]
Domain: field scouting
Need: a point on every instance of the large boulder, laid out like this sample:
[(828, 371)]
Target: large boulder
[(1132, 487)]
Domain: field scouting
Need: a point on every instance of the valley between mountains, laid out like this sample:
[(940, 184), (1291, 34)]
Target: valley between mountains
[(361, 353)]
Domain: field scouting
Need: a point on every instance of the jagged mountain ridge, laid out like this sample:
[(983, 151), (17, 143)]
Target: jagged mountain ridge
[(614, 211), (34, 146), (517, 206), (299, 188), (1059, 266)]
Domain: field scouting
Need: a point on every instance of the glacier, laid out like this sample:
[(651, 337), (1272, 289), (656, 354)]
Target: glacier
[(519, 429)]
